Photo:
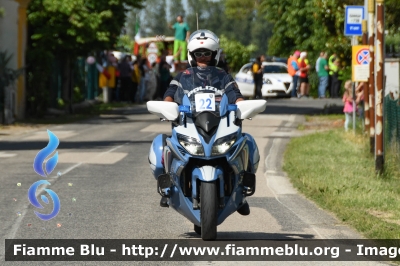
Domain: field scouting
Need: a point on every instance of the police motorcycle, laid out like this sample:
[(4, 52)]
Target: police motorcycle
[(207, 166)]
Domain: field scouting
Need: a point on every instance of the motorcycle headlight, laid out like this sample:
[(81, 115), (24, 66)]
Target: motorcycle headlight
[(192, 145), (223, 144)]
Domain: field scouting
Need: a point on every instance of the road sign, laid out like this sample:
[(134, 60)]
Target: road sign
[(152, 58), (360, 63), (353, 20)]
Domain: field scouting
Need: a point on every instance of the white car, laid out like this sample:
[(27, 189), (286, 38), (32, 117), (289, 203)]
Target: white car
[(276, 80)]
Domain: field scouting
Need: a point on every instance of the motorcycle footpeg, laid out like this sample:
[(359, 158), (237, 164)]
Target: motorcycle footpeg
[(249, 182), (164, 183)]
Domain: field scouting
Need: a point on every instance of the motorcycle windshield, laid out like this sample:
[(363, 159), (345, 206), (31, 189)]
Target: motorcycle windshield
[(204, 88)]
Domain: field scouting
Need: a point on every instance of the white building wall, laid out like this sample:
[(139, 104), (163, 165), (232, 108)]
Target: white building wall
[(9, 30)]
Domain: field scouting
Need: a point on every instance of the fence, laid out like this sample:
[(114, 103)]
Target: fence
[(84, 81), (391, 107)]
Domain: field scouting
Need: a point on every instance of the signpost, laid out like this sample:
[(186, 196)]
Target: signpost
[(354, 16), (353, 20), (360, 63), (152, 51)]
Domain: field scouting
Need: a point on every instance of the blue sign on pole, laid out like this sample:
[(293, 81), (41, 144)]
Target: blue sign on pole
[(353, 20)]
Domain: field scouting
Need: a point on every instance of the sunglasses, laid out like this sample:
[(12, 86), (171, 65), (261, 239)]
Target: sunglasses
[(200, 54)]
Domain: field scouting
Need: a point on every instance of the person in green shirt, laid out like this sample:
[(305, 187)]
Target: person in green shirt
[(182, 34), (323, 75)]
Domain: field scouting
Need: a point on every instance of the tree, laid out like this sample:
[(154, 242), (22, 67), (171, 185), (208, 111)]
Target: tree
[(155, 22), (64, 30), (124, 44), (236, 53), (392, 16), (175, 9)]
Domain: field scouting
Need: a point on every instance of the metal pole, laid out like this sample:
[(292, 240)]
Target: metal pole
[(354, 107), (354, 42), (365, 86), (380, 42), (371, 36)]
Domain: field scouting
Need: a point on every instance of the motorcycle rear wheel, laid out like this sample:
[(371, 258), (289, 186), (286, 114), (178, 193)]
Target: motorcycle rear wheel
[(208, 210)]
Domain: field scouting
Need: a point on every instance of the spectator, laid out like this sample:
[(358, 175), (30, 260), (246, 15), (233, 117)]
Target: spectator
[(165, 77), (293, 69), (125, 73), (336, 83), (107, 77), (156, 69), (321, 55), (258, 77), (304, 68), (182, 34), (170, 60), (143, 80), (136, 75), (348, 102), (322, 69), (331, 65), (151, 84), (222, 63)]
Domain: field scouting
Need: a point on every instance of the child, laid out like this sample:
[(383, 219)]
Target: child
[(348, 102)]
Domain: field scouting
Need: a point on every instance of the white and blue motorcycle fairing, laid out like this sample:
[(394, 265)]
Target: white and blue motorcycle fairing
[(204, 147)]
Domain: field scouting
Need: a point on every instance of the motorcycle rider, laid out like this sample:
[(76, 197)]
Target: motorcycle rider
[(203, 50)]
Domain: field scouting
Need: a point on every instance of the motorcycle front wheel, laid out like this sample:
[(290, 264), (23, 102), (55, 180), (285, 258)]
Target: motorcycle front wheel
[(208, 210)]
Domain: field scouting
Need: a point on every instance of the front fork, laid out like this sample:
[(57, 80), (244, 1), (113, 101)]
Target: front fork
[(207, 174)]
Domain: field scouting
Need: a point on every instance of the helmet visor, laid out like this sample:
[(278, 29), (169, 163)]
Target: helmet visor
[(201, 54)]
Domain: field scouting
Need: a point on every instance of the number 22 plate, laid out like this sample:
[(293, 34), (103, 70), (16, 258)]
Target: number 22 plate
[(205, 102)]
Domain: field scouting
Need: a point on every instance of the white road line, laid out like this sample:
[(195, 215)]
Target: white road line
[(272, 151), (6, 155), (17, 224)]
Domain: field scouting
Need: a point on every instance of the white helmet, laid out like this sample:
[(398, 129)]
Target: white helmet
[(203, 39)]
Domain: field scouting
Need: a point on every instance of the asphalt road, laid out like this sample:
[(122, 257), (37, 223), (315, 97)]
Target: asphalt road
[(106, 189)]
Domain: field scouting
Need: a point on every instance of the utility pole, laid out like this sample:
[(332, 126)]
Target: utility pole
[(365, 86), (380, 56), (371, 42)]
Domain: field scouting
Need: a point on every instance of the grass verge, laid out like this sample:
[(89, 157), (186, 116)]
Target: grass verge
[(336, 170)]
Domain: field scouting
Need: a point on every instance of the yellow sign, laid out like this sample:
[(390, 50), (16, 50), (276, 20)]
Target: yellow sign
[(360, 63)]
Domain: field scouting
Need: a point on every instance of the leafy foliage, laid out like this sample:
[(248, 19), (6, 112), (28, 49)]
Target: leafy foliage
[(63, 30), (236, 53), (124, 44), (392, 15), (77, 26), (155, 14), (310, 25), (175, 9)]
